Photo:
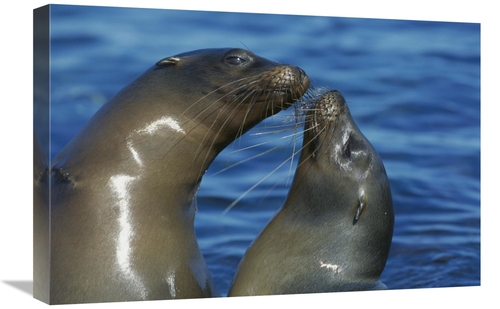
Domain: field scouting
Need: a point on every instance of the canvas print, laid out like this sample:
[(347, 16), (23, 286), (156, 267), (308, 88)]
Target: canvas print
[(192, 154)]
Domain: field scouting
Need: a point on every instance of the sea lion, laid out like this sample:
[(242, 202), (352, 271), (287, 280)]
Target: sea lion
[(334, 231), (123, 190)]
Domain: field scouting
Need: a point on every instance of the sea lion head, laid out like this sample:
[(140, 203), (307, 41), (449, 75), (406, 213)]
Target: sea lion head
[(348, 181), (334, 143), (235, 89)]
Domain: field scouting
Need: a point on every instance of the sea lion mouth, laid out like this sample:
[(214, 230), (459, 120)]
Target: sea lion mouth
[(321, 110), (326, 109)]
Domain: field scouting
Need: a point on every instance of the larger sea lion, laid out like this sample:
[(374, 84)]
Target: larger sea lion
[(334, 231), (123, 190)]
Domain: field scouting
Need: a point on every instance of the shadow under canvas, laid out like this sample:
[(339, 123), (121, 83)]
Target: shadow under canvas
[(25, 286)]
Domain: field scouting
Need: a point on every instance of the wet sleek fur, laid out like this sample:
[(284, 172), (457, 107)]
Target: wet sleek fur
[(334, 231), (123, 190)]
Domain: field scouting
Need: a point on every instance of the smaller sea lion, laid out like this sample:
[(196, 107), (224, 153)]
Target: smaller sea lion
[(334, 231)]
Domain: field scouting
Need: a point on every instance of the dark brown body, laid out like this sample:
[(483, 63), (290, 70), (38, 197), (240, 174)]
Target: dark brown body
[(123, 190), (334, 231)]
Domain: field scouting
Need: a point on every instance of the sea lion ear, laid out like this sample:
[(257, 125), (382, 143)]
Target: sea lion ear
[(167, 61), (361, 205)]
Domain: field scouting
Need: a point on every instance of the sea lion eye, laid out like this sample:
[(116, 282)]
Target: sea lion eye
[(235, 60)]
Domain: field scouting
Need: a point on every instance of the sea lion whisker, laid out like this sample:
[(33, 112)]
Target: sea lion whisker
[(197, 117), (252, 157), (252, 103), (229, 116), (294, 152), (288, 123), (285, 123), (285, 127), (220, 111), (234, 92), (216, 90), (246, 160), (251, 188), (210, 105), (240, 98), (312, 154), (251, 95), (256, 95), (292, 136), (215, 138), (271, 141), (290, 158)]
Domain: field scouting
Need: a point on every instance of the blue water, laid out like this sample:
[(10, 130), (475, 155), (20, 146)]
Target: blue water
[(413, 88)]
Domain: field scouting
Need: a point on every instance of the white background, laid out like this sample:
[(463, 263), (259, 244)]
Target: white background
[(16, 67)]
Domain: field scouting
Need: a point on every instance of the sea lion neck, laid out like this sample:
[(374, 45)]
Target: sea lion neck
[(160, 147)]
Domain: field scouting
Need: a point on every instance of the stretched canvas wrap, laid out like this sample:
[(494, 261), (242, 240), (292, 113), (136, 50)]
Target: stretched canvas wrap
[(136, 110)]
